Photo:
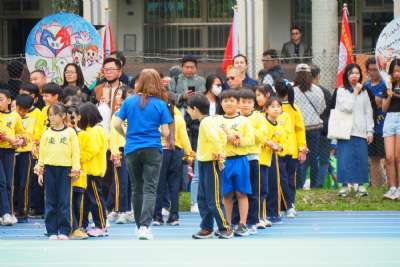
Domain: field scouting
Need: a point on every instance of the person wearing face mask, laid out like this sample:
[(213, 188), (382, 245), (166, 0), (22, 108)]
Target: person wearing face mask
[(352, 154)]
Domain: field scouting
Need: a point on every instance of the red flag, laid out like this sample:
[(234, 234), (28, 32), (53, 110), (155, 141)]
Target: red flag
[(232, 46), (107, 39), (345, 47)]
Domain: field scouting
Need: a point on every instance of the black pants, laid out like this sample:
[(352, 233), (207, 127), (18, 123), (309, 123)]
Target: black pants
[(22, 175), (144, 171)]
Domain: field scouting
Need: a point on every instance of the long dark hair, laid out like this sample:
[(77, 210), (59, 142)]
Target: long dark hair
[(266, 90), (80, 81), (210, 80), (303, 80), (395, 63), (284, 88), (346, 74)]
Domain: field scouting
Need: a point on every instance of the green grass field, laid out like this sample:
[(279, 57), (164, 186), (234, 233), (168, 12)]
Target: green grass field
[(326, 199)]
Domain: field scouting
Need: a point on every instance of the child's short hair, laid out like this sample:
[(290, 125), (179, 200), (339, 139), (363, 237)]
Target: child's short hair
[(5, 92), (247, 94), (230, 93), (75, 100), (57, 109), (200, 102), (90, 116), (70, 91), (24, 101), (271, 100), (31, 88), (265, 89), (53, 89)]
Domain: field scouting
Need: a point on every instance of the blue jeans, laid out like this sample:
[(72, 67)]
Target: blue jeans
[(313, 138), (194, 185)]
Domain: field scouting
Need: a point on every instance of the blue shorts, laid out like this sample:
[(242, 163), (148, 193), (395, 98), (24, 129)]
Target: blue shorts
[(236, 176), (391, 125)]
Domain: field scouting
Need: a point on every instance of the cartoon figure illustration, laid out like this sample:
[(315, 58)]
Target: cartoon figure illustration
[(91, 55), (78, 56)]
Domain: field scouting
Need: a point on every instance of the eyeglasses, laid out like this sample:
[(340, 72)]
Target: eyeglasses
[(70, 72), (231, 77), (109, 70)]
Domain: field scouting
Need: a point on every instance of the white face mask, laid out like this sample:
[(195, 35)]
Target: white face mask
[(216, 90)]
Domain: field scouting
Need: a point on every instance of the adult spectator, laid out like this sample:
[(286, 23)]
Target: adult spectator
[(272, 69), (188, 82), (105, 92), (352, 155), (325, 143), (73, 77), (240, 62), (38, 78), (234, 79), (14, 69), (148, 117), (310, 99), (295, 48), (376, 150)]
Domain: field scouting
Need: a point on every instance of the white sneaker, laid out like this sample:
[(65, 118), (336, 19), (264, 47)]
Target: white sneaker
[(291, 213), (14, 219), (267, 223), (362, 191), (307, 185), (252, 229), (397, 194), (122, 218), (391, 194), (165, 212), (112, 216), (194, 208), (261, 225), (7, 220), (344, 191), (144, 233), (131, 217)]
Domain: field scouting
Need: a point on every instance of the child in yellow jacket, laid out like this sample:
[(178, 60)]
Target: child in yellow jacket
[(11, 136), (58, 163), (297, 145)]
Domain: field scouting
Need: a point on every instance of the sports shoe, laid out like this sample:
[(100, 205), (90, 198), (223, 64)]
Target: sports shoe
[(144, 233), (112, 216), (225, 234), (391, 194), (97, 232), (343, 192), (63, 237), (252, 229), (131, 217), (203, 234), (165, 212), (7, 220), (194, 208), (241, 230), (14, 219), (267, 223), (291, 213), (122, 218), (53, 237), (78, 234), (362, 191), (397, 194), (261, 225), (173, 223), (275, 220)]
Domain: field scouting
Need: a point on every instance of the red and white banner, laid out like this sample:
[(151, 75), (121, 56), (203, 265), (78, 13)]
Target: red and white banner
[(232, 46), (345, 47), (107, 39)]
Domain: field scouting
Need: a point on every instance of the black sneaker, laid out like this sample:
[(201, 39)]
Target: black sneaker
[(241, 230), (173, 221), (224, 234), (203, 234), (157, 222)]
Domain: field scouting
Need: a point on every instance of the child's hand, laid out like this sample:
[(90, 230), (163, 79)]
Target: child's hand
[(117, 161), (236, 142), (221, 165), (302, 157), (2, 136), (38, 170), (40, 179), (75, 174)]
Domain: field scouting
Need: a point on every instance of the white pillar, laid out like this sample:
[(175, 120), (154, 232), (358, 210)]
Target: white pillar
[(325, 40), (260, 33), (242, 25), (250, 35), (396, 8)]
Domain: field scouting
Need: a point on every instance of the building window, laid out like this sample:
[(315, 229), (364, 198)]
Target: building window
[(302, 17), (13, 6), (177, 27)]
